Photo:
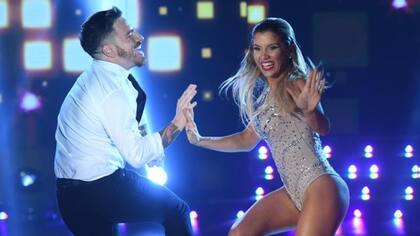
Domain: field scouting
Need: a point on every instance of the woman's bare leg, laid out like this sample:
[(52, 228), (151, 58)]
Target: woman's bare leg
[(273, 212), (325, 205)]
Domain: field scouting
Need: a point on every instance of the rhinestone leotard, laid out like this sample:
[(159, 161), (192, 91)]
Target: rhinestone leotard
[(295, 148)]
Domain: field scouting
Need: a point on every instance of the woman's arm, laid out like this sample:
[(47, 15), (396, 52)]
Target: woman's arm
[(242, 141)]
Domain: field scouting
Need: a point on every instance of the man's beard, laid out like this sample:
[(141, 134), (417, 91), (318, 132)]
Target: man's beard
[(127, 55)]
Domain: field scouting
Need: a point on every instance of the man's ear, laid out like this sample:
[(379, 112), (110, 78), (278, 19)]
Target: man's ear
[(109, 50)]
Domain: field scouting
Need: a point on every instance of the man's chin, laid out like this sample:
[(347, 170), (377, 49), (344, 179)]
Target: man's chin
[(141, 63)]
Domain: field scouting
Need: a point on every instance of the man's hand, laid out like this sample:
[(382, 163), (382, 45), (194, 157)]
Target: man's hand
[(170, 132), (184, 102)]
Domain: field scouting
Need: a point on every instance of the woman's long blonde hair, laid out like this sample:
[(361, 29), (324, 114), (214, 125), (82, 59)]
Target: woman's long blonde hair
[(245, 82)]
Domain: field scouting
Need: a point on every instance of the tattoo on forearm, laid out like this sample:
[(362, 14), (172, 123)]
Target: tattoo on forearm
[(169, 134)]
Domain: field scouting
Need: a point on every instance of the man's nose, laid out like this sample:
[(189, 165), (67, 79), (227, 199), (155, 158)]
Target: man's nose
[(138, 38)]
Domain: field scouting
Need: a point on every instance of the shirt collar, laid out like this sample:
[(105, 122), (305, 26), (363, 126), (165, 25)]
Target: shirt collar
[(112, 69)]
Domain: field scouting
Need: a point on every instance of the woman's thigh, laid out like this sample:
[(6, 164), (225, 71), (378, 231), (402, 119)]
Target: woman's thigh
[(325, 205), (274, 212)]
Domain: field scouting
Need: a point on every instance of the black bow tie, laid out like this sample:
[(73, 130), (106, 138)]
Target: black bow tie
[(141, 97)]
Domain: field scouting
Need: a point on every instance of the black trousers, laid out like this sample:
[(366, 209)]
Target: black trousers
[(94, 208)]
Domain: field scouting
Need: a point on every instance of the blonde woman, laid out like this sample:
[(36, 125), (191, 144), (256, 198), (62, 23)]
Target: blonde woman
[(279, 101)]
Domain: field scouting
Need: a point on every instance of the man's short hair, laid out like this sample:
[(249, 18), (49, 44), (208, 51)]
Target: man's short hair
[(97, 28)]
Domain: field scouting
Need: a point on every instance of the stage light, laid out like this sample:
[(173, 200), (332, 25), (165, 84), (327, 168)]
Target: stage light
[(358, 226), (157, 174), (268, 170), (352, 172), (374, 171), (368, 151), (327, 151), (194, 221), (357, 213), (27, 178), (163, 10), (36, 14), (74, 57), (409, 193), (207, 95), (206, 53), (3, 215), (398, 4), (30, 102), (365, 194), (4, 14), (408, 151), (262, 153), (268, 177), (398, 214), (263, 150), (164, 53), (243, 8), (256, 13), (408, 148), (240, 214), (259, 193), (398, 222), (205, 10), (193, 215), (37, 55), (415, 172)]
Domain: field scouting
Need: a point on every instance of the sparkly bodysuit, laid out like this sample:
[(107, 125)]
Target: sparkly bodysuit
[(296, 150)]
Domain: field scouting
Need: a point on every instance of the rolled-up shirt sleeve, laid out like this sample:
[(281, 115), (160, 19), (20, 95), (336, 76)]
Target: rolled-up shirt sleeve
[(121, 126)]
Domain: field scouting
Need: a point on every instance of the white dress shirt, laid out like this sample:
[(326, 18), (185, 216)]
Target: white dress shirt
[(97, 131)]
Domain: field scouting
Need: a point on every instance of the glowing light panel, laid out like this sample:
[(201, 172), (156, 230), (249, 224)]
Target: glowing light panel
[(243, 7), (256, 13), (205, 10), (163, 10), (37, 55), (36, 14), (4, 14), (164, 53), (206, 53), (397, 4), (74, 57)]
